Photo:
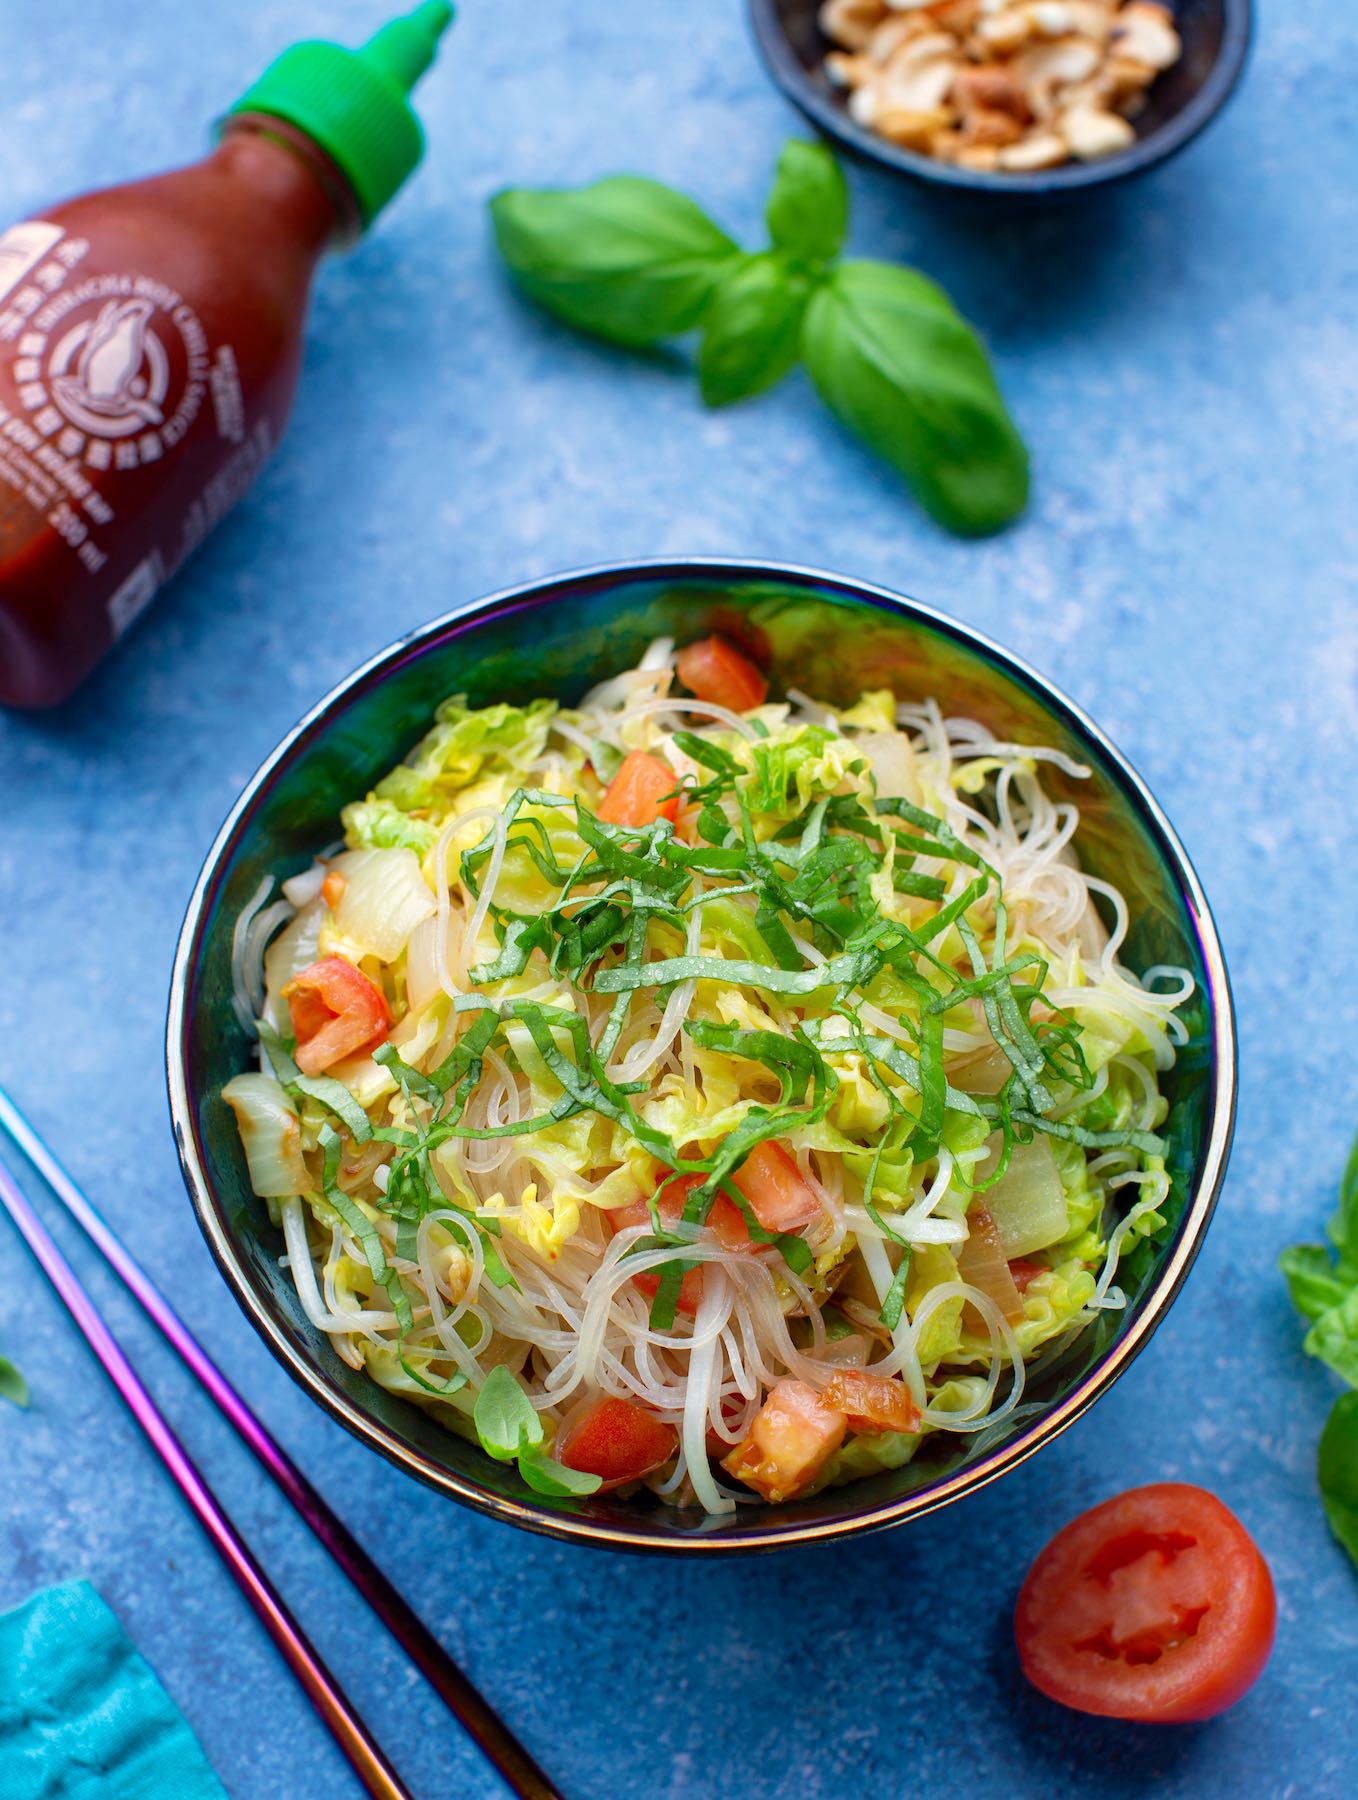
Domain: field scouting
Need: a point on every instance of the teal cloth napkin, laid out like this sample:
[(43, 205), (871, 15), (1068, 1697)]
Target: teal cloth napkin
[(82, 1717)]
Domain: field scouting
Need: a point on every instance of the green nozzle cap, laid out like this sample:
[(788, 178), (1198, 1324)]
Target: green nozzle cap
[(353, 102)]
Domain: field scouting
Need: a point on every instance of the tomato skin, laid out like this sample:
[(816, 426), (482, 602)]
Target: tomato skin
[(636, 793), (1156, 1606), (794, 1435), (780, 1197), (771, 1184), (873, 1403), (670, 1199), (728, 1222), (715, 670), (614, 1438), (336, 1012)]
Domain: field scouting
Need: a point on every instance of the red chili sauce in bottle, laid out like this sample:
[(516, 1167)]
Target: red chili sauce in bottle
[(151, 337)]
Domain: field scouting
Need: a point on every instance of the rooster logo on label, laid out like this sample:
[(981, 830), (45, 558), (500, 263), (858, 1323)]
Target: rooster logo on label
[(110, 374)]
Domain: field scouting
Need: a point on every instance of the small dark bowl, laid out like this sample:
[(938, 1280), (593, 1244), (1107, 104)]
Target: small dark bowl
[(559, 637), (1185, 99)]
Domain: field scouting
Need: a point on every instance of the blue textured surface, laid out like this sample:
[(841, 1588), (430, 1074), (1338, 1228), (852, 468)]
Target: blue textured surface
[(1182, 358)]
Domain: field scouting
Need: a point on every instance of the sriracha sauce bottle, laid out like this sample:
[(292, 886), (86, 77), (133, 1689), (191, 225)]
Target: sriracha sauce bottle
[(150, 340)]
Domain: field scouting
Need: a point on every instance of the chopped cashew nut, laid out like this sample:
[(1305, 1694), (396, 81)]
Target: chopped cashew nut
[(999, 85)]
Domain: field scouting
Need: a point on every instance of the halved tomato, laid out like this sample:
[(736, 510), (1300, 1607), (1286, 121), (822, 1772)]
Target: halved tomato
[(336, 1012), (1156, 1605), (615, 1438), (636, 794), (715, 670)]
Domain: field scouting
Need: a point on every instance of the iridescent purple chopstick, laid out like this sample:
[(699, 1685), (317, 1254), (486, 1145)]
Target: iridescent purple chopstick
[(321, 1688), (483, 1723)]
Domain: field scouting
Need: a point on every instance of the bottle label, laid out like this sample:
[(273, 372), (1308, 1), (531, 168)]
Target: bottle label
[(101, 374), (22, 248)]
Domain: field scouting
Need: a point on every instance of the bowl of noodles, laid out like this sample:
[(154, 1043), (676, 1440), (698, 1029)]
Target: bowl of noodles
[(701, 1056)]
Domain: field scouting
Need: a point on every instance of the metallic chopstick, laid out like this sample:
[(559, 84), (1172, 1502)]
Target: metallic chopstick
[(516, 1766), (326, 1695)]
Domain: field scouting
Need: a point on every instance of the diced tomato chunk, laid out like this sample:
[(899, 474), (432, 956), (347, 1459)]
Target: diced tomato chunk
[(728, 1222), (715, 670), (872, 1402), (1022, 1273), (771, 1185), (780, 1197), (636, 794), (614, 1438), (336, 1012), (670, 1199), (793, 1436)]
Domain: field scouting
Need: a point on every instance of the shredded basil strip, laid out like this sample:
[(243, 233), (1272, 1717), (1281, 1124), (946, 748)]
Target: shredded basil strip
[(334, 1095), (811, 881)]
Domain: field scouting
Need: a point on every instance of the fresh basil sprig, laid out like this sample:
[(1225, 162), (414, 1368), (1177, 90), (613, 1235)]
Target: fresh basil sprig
[(636, 262), (628, 259), (892, 357), (1323, 1282), (510, 1430), (808, 210), (752, 329)]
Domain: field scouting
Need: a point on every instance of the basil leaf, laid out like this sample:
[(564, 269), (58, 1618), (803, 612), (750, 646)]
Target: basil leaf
[(751, 330), (441, 1389), (1334, 1338), (625, 258), (279, 1052), (13, 1387), (362, 1228), (894, 1304), (547, 1476), (1338, 1471), (1311, 1280), (505, 1418), (1344, 1225), (336, 1097), (894, 360), (808, 210)]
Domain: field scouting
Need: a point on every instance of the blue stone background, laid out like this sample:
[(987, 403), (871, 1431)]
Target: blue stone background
[(1182, 357)]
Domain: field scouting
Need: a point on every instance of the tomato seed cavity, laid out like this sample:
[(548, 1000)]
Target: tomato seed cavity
[(1121, 1552)]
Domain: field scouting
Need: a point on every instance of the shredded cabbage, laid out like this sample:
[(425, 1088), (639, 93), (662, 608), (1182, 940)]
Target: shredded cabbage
[(880, 955)]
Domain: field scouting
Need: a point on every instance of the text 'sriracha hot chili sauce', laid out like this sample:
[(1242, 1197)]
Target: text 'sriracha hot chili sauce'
[(150, 339)]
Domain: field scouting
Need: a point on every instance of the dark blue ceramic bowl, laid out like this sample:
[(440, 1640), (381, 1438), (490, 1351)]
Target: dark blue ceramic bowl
[(834, 637), (1216, 38)]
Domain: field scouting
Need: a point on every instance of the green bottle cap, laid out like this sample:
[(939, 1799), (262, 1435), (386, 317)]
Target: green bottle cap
[(353, 102)]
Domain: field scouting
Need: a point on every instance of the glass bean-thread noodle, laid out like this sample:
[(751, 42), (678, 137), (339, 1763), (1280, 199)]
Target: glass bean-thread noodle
[(864, 951)]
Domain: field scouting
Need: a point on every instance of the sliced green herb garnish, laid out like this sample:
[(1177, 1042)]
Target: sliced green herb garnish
[(337, 1098), (876, 987)]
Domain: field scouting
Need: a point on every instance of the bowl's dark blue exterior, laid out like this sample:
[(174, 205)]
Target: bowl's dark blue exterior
[(1216, 38)]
